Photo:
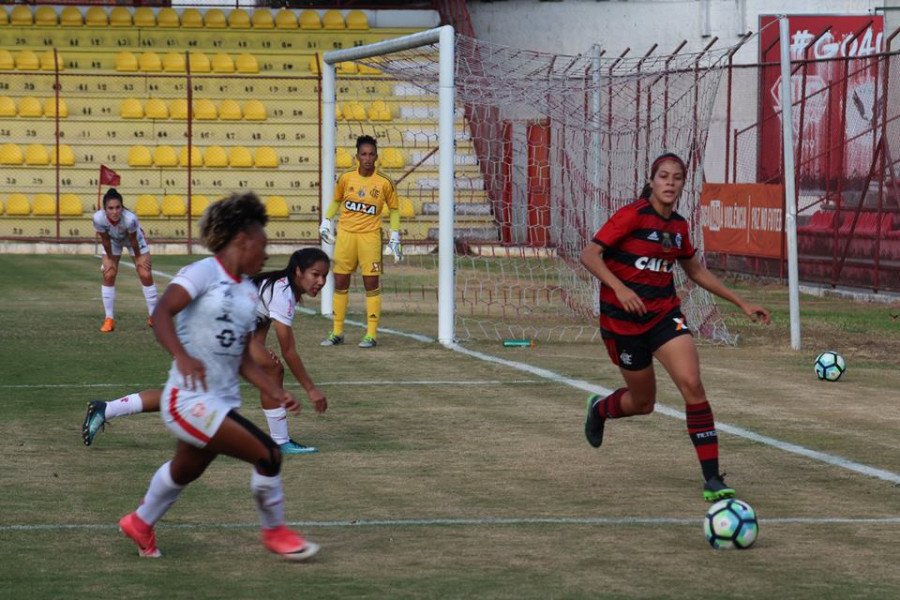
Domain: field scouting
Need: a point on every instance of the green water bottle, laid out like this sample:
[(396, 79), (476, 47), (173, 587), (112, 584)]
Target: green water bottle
[(517, 343)]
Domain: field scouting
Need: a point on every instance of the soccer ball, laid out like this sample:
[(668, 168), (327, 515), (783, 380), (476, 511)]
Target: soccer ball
[(731, 523), (830, 365)]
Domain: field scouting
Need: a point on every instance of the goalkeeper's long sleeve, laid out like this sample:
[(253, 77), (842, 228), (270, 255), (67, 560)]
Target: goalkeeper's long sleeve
[(395, 219)]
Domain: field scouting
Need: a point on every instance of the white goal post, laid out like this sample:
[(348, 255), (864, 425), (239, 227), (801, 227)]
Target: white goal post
[(444, 38)]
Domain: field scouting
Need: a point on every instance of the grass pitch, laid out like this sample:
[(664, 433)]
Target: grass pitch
[(444, 476)]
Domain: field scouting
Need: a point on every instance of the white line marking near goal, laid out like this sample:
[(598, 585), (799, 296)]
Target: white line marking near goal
[(831, 459), (466, 522), (399, 383)]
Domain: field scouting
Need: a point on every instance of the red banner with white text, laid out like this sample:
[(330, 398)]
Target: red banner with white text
[(742, 218)]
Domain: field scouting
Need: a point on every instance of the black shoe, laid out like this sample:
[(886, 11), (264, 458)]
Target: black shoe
[(593, 424), (715, 489)]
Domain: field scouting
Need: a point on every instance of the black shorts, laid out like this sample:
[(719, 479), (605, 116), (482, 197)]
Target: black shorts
[(635, 352)]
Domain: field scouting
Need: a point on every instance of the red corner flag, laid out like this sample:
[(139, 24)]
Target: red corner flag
[(108, 176)]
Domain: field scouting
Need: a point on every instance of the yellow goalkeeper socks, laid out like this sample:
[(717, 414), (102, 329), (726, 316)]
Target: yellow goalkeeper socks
[(373, 311), (340, 310)]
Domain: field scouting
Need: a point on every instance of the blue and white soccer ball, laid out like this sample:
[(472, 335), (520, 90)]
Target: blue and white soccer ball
[(731, 523), (830, 366)]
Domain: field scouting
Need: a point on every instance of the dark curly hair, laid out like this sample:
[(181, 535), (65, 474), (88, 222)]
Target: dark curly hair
[(301, 259), (224, 219)]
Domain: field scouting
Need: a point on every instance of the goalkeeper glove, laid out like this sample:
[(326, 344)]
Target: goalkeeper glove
[(395, 247), (326, 230)]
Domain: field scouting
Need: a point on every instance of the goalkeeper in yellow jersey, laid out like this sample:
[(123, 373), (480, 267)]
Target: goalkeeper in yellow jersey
[(360, 195)]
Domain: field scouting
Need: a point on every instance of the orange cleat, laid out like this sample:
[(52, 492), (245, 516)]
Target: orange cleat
[(289, 544), (150, 322), (141, 534), (108, 325)]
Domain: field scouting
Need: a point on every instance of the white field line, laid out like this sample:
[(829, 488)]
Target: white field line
[(399, 383), (831, 459), (470, 522)]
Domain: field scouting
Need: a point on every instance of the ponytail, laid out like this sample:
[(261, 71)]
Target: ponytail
[(301, 259)]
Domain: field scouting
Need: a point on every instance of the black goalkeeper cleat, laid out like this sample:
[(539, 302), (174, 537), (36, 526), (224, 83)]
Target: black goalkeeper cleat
[(593, 424), (716, 489)]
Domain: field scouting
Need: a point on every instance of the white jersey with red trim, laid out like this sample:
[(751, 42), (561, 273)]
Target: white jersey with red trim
[(214, 326), (119, 232), (277, 302)]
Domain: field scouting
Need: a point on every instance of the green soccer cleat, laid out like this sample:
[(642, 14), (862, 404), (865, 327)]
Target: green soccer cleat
[(292, 447), (715, 489), (368, 342), (333, 340), (94, 421), (594, 423)]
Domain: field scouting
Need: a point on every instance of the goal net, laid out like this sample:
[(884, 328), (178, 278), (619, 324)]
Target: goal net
[(546, 148)]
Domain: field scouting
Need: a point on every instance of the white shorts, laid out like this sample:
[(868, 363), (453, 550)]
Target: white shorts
[(194, 417), (141, 239)]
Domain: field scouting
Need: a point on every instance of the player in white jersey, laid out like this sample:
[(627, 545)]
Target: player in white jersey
[(279, 291), (215, 305), (119, 228)]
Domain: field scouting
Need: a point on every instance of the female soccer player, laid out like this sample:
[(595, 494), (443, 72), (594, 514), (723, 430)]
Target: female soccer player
[(118, 227), (279, 291), (640, 317), (216, 307)]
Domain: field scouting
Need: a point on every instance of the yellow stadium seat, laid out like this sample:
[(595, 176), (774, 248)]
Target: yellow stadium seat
[(239, 19), (17, 205), (191, 18), (29, 106), (347, 68), (315, 64), (144, 17), (21, 15), (286, 19), (49, 61), (178, 109), (120, 17), (36, 155), (215, 19), (7, 107), (277, 207), (27, 61), (164, 156), (173, 62), (126, 61), (262, 19), (96, 17), (379, 111), (338, 113), (196, 157), (4, 18), (254, 110), (139, 156), (229, 110), (71, 17), (204, 109), (7, 62), (66, 155), (168, 17), (365, 69), (222, 63), (146, 206), (343, 159), (199, 202), (70, 205), (11, 154), (240, 157), (407, 208), (43, 205), (266, 158), (354, 111), (246, 63), (216, 157), (150, 62), (357, 20), (309, 19), (50, 108), (199, 62), (333, 19), (173, 206), (131, 109), (156, 109), (45, 16), (392, 158)]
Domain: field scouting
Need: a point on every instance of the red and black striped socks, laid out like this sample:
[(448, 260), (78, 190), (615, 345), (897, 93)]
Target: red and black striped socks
[(702, 428)]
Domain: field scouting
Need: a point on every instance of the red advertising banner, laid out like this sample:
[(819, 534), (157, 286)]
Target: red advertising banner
[(742, 218), (835, 142)]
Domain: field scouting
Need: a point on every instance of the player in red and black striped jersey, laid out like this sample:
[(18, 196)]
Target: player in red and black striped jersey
[(633, 256)]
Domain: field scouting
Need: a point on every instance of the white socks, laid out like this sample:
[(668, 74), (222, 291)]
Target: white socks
[(150, 296), (129, 405), (278, 426), (161, 494), (269, 498), (108, 294)]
